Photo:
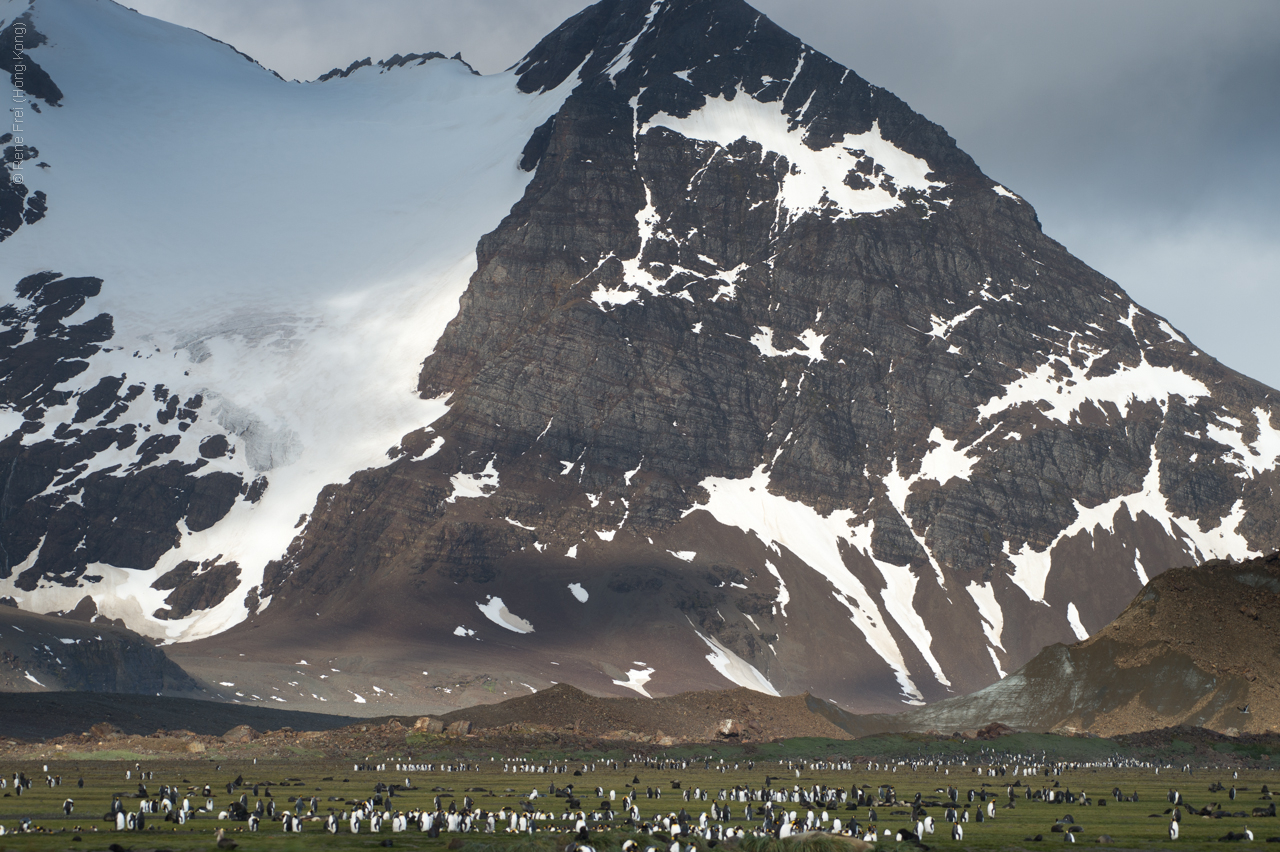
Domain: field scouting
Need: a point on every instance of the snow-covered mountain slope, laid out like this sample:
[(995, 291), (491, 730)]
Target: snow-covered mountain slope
[(737, 370), (276, 259)]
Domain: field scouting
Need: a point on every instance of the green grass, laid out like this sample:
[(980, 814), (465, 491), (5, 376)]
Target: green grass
[(1251, 751), (1129, 824), (116, 754)]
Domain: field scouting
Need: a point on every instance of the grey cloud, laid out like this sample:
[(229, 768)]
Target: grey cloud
[(302, 39), (1143, 132)]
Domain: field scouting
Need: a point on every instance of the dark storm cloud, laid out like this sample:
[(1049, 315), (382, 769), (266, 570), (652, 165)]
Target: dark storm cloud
[(1144, 132)]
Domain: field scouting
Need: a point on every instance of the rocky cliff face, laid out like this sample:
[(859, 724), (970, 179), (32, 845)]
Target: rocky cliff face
[(892, 391), (760, 381)]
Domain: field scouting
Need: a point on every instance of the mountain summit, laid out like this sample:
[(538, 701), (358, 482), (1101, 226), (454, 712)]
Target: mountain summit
[(676, 355)]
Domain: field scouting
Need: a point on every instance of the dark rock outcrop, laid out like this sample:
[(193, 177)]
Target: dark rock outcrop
[(44, 652), (56, 501)]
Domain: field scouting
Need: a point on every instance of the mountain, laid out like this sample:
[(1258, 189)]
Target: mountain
[(677, 356), (42, 652), (1194, 648)]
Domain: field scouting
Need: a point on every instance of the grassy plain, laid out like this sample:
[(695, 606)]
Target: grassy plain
[(1131, 825)]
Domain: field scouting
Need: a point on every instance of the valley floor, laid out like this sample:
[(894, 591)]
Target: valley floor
[(452, 768)]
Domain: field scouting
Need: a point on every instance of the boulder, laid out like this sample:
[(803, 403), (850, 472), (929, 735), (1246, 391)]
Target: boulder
[(993, 730), (240, 734), (728, 728), (427, 725), (458, 728)]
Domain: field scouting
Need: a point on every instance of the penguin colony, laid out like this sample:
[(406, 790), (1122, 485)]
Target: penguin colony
[(777, 807)]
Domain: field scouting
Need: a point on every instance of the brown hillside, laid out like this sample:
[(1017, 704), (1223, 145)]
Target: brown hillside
[(688, 716), (1223, 618), (1197, 647)]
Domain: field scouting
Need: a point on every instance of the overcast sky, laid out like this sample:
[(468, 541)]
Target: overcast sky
[(1146, 133)]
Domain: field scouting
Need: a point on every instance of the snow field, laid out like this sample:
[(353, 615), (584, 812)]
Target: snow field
[(290, 251)]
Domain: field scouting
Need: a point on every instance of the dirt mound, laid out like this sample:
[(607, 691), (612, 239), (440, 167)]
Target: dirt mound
[(1221, 619), (735, 714)]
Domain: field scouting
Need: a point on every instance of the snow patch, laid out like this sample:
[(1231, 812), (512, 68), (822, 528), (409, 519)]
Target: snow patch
[(613, 296), (1257, 456), (636, 679), (473, 485), (1057, 397), (943, 462), (496, 611), (1139, 568), (784, 596), (816, 179), (810, 342), (995, 661), (623, 61), (1073, 618), (942, 329), (984, 597), (1169, 330), (815, 540), (1031, 568), (734, 668)]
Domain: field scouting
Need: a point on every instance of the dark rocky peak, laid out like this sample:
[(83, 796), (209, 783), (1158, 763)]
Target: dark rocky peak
[(396, 61), (671, 56), (25, 73)]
